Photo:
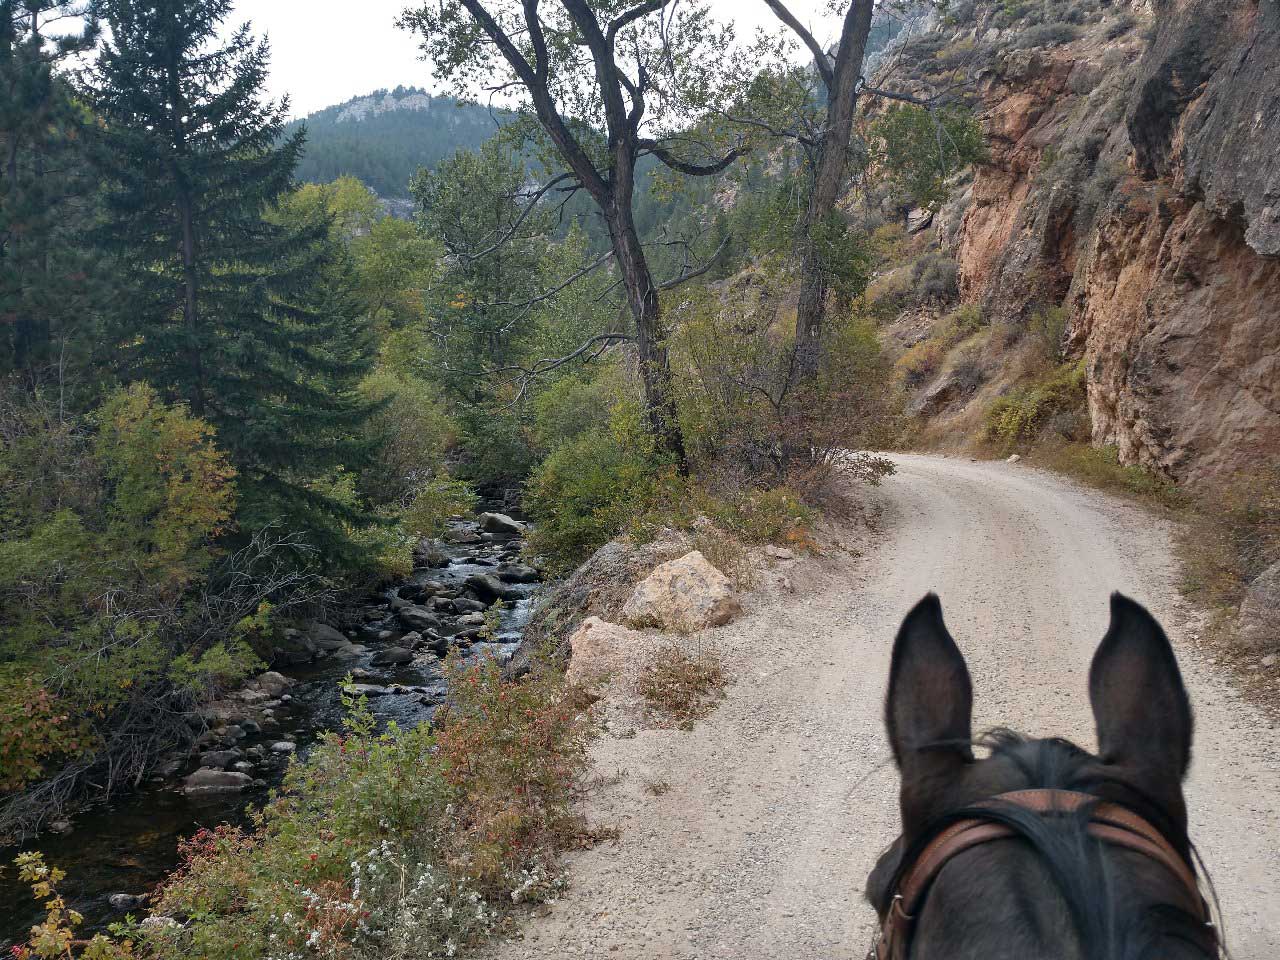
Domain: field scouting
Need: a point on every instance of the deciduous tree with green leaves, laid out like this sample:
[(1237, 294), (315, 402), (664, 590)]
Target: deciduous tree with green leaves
[(608, 83)]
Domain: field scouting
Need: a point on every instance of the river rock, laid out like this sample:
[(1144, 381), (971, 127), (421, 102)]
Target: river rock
[(392, 656), (220, 759), (468, 605), (365, 690), (472, 620), (684, 595), (242, 766), (517, 573), (205, 781), (419, 619), (462, 536), (500, 523), (490, 589), (1259, 630), (324, 636), (284, 746), (252, 727), (125, 901), (429, 554)]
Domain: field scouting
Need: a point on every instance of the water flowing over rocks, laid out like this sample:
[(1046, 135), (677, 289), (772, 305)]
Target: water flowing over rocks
[(391, 644)]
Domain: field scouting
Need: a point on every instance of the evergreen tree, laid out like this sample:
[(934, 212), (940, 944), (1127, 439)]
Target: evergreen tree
[(238, 309), (44, 190)]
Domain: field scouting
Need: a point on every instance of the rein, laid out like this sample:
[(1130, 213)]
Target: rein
[(1109, 822)]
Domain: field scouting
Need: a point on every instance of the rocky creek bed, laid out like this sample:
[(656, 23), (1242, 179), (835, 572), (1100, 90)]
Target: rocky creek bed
[(392, 645)]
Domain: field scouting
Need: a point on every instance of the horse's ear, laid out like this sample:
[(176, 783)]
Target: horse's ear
[(1140, 706), (929, 708)]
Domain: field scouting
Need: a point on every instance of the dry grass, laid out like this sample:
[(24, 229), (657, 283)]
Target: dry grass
[(680, 687)]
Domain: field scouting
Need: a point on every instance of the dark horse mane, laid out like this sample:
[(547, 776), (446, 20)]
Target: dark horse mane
[(1107, 925)]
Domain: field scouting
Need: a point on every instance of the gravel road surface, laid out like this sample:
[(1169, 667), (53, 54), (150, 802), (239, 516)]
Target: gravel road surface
[(779, 802)]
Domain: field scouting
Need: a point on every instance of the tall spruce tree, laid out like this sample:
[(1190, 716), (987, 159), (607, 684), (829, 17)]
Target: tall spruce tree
[(45, 193), (241, 311)]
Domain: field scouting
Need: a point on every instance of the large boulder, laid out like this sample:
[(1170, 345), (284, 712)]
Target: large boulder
[(206, 782), (490, 589), (500, 523), (271, 683), (517, 573), (600, 650), (418, 619), (1260, 613), (392, 657), (684, 595), (324, 636)]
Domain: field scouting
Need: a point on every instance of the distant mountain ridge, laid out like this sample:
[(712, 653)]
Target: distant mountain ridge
[(384, 137)]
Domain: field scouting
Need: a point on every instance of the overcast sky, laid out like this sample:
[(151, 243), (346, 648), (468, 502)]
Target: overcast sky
[(327, 51)]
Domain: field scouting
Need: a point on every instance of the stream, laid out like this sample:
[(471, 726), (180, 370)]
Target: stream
[(128, 845)]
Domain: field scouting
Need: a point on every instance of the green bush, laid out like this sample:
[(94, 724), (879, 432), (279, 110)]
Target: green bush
[(1019, 416), (594, 487)]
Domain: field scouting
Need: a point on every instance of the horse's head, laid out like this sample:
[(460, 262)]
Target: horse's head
[(1050, 888)]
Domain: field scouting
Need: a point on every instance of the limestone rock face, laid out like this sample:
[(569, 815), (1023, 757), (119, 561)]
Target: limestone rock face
[(683, 595), (600, 650), (1260, 613)]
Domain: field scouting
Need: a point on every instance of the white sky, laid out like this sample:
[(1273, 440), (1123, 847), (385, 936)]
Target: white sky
[(326, 51)]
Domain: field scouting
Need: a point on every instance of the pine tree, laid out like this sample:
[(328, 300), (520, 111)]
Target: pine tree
[(45, 194), (244, 313)]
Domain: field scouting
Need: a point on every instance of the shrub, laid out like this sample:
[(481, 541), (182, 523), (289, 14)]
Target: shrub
[(110, 523), (1046, 35), (1101, 467), (1048, 329), (513, 754), (55, 936), (776, 516), (935, 277), (1232, 537), (1019, 416), (680, 687), (918, 365), (594, 487)]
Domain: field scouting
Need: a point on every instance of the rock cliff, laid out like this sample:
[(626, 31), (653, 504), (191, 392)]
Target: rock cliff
[(1133, 178)]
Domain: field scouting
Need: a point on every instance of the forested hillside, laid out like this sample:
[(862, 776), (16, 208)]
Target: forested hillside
[(383, 138), (244, 412)]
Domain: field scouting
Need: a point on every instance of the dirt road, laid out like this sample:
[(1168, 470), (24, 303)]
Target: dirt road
[(780, 802)]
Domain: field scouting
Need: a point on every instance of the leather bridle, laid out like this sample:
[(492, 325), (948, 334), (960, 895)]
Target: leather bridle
[(1109, 822)]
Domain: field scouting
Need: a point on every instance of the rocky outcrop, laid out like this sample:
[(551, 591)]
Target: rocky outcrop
[(684, 595), (1133, 178)]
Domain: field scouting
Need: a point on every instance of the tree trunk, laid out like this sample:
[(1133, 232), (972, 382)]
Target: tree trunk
[(830, 168), (190, 303), (642, 298)]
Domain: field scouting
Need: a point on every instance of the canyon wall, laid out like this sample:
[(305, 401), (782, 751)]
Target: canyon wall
[(1134, 178)]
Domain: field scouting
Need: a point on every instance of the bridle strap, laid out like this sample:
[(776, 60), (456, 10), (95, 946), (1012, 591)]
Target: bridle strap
[(1108, 822)]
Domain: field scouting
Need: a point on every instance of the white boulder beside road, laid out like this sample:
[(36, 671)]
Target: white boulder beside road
[(601, 650), (683, 595)]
